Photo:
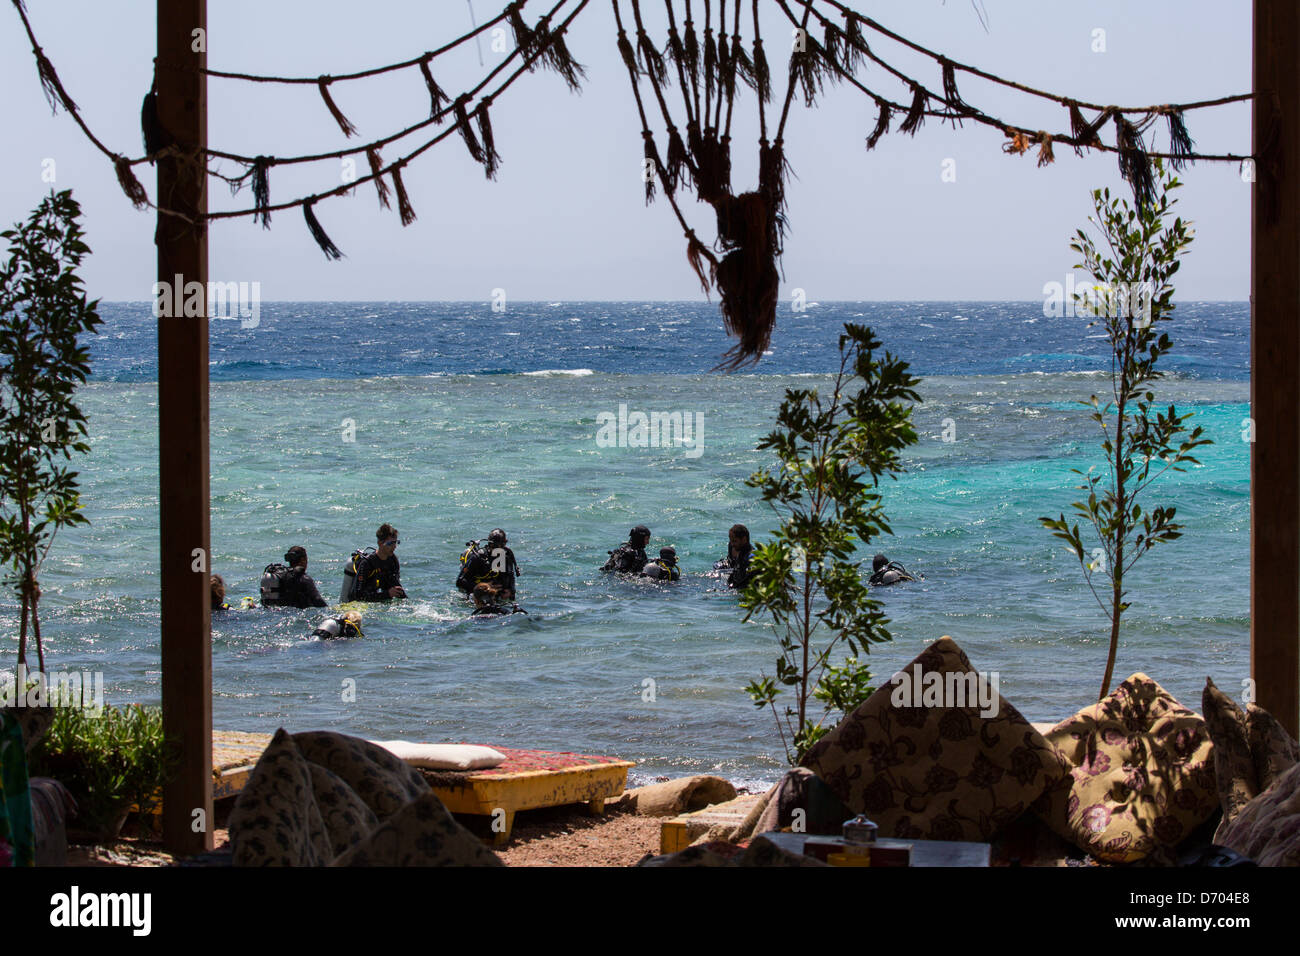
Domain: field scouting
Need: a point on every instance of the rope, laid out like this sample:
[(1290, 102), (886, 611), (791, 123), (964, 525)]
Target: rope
[(513, 7), (398, 163), (1012, 84)]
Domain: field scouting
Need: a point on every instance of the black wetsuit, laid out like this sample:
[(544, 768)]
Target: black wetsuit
[(628, 559), (738, 566), (892, 573), (478, 568), (375, 576), (297, 589)]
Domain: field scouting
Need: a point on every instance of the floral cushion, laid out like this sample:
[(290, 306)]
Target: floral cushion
[(1272, 749), (275, 821), (422, 833), (1268, 828), (1234, 767), (345, 815), (935, 772), (1142, 778), (385, 782)]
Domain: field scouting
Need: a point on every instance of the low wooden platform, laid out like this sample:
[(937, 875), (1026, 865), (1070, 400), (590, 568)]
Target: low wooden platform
[(681, 831), (234, 755), (529, 780)]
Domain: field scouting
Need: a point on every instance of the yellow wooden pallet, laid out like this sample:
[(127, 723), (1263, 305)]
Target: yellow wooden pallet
[(500, 795)]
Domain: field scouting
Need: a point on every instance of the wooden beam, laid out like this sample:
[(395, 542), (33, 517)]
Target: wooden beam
[(1275, 363), (183, 425)]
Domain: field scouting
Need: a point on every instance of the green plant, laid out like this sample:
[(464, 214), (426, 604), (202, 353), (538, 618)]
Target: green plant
[(832, 456), (1133, 296), (109, 760), (43, 314)]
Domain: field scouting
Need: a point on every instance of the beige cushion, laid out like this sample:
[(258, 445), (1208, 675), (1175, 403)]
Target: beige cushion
[(275, 821), (935, 772), (1142, 776), (422, 833), (1268, 828), (443, 756)]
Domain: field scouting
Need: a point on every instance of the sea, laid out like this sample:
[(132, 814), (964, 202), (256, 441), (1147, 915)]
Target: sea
[(449, 419)]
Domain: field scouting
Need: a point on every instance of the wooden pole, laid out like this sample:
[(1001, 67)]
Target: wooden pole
[(183, 425), (1275, 363)]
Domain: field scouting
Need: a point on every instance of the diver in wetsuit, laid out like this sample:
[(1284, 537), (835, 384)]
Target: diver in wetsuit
[(630, 558), (885, 572), (739, 551), (663, 568), (337, 628), (379, 576), (494, 565), (487, 601), (297, 589)]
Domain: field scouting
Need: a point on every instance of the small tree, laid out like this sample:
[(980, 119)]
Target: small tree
[(1139, 441), (43, 313), (832, 455)]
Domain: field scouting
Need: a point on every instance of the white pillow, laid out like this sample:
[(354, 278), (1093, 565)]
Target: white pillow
[(443, 756)]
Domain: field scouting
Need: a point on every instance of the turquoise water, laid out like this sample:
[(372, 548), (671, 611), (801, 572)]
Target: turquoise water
[(446, 457)]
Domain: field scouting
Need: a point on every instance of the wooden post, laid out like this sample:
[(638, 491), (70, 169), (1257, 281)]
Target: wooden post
[(183, 425), (1275, 363)]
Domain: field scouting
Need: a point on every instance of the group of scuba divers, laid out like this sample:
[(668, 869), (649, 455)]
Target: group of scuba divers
[(488, 571)]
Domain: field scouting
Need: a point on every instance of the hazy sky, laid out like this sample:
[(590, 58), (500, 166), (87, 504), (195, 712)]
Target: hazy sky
[(567, 219)]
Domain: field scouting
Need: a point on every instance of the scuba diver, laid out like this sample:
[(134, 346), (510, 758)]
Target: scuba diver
[(739, 551), (488, 600), (885, 572), (630, 558), (218, 585), (663, 568), (290, 586), (378, 575), (494, 565), (337, 628)]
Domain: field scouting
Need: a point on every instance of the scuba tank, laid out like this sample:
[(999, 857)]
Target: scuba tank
[(350, 574), (333, 628), (472, 550), (271, 586)]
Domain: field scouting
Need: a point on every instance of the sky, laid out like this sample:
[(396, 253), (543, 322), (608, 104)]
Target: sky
[(567, 219)]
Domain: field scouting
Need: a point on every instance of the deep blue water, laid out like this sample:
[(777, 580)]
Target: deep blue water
[(377, 339)]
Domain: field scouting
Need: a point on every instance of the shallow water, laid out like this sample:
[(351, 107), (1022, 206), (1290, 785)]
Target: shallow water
[(445, 456)]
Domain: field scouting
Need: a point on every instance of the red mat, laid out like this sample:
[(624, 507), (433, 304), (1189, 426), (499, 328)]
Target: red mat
[(520, 761)]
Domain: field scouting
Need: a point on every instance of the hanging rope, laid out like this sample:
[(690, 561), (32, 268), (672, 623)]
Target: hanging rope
[(751, 225)]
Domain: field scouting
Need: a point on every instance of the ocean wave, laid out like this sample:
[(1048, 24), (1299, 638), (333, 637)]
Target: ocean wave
[(552, 372)]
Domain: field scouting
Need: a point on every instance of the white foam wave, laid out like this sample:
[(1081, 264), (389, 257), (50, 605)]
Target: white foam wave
[(574, 372)]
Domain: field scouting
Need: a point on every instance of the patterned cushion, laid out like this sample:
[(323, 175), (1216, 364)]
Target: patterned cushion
[(1268, 828), (1234, 767), (1142, 776), (935, 772), (275, 821), (1273, 750), (383, 781), (422, 833), (346, 817)]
